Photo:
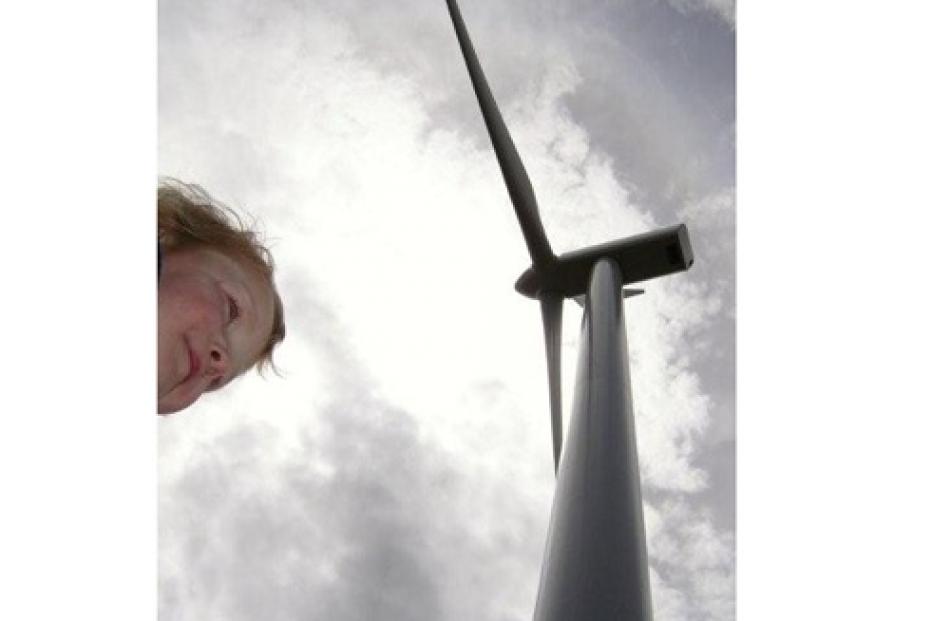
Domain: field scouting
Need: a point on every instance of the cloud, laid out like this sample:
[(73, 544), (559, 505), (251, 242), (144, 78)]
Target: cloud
[(724, 9), (693, 563), (349, 514)]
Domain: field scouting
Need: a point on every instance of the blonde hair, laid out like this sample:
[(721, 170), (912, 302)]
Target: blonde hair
[(189, 217)]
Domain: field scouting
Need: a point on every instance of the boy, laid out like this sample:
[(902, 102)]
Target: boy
[(218, 309)]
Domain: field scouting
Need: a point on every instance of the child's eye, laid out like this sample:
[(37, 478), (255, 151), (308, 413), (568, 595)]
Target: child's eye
[(234, 311)]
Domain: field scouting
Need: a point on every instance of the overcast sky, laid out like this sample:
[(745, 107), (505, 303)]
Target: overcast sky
[(401, 467)]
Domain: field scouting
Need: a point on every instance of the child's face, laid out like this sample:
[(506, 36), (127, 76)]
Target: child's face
[(214, 318)]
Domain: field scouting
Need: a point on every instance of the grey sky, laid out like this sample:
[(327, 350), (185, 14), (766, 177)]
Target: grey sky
[(401, 468)]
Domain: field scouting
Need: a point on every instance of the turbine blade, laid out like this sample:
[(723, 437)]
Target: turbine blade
[(516, 179), (551, 307)]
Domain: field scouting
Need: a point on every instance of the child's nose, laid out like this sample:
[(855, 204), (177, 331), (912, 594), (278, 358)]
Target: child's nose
[(220, 363)]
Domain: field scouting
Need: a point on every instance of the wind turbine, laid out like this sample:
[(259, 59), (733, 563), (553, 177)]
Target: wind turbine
[(595, 561)]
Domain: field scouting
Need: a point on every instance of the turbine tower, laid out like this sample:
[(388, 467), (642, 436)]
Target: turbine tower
[(595, 560)]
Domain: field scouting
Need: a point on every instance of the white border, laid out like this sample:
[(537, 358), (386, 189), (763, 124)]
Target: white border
[(842, 310), (77, 448)]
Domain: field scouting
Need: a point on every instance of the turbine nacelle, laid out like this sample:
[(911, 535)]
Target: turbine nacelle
[(640, 257)]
